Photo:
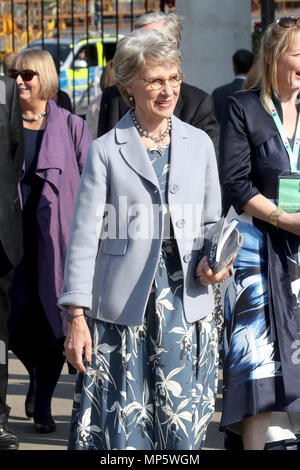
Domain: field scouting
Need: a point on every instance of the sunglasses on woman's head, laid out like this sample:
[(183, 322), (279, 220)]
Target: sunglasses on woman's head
[(288, 21), (26, 75)]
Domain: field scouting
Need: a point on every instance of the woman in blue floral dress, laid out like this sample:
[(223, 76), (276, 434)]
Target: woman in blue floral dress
[(149, 379)]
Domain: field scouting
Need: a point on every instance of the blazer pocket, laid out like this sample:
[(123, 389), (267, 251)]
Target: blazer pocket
[(114, 246)]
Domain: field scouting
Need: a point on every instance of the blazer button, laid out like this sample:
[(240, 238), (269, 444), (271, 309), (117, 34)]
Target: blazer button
[(173, 188), (187, 258), (180, 223)]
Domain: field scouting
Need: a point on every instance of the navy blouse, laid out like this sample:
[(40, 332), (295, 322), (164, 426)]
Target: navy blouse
[(31, 187), (30, 182)]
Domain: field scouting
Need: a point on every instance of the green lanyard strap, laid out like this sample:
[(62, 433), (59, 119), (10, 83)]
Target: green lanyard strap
[(293, 154)]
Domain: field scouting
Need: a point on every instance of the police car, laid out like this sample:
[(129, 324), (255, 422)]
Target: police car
[(80, 81)]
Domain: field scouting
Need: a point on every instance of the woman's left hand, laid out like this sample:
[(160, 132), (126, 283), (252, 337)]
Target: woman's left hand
[(207, 276)]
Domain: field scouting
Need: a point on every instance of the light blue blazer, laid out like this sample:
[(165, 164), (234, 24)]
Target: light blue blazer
[(119, 190)]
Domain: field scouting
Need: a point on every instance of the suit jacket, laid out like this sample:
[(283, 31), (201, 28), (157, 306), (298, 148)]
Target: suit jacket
[(220, 94), (194, 106), (114, 283), (11, 162)]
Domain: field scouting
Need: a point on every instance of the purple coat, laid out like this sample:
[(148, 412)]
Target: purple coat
[(60, 167)]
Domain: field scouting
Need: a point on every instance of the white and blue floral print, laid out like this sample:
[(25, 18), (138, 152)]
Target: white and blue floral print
[(152, 386)]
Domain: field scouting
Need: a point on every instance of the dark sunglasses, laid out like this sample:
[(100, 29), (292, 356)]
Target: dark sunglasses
[(288, 21), (26, 75)]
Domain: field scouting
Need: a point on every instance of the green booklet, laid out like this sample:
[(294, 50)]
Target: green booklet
[(289, 192)]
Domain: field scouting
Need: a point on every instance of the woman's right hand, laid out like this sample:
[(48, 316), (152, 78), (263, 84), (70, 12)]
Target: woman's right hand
[(290, 222), (261, 207), (78, 339)]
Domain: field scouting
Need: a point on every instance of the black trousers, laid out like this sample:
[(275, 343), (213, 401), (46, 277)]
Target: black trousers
[(6, 278), (33, 342)]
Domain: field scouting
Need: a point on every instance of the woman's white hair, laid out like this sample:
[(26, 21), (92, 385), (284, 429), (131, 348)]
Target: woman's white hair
[(132, 52)]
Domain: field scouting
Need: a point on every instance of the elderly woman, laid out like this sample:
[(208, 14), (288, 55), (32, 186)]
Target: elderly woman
[(258, 162), (56, 145), (149, 374)]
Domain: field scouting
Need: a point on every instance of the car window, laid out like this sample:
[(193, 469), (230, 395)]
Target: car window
[(109, 49), (88, 53)]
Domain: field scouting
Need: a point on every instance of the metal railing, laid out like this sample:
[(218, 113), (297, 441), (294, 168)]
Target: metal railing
[(25, 21), (22, 21)]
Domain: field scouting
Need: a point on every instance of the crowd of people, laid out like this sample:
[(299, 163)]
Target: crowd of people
[(100, 243)]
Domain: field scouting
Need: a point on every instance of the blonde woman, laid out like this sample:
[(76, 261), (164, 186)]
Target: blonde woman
[(258, 158), (56, 144)]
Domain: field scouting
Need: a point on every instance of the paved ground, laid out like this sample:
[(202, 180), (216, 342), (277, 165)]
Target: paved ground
[(61, 409)]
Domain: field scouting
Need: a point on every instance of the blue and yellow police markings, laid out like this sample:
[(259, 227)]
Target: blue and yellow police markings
[(78, 79), (63, 81)]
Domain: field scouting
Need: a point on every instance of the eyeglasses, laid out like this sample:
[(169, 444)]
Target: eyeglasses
[(157, 83), (26, 75), (288, 21)]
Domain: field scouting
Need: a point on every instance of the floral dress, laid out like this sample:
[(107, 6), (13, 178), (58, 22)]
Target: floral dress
[(151, 386), (261, 342)]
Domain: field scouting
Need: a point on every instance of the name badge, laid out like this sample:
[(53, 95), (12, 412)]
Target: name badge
[(289, 191)]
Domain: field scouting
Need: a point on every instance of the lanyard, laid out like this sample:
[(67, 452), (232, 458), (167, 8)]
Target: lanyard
[(293, 154)]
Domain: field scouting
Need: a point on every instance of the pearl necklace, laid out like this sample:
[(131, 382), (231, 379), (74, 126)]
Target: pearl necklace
[(144, 133), (34, 118)]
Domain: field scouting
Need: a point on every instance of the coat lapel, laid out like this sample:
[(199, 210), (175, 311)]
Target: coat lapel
[(51, 157), (133, 150), (179, 148)]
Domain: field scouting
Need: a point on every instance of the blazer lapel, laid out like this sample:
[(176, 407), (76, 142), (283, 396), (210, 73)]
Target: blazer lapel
[(179, 148), (133, 150)]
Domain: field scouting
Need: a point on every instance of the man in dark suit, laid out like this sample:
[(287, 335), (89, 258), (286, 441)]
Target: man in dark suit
[(242, 61), (194, 106), (11, 161)]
